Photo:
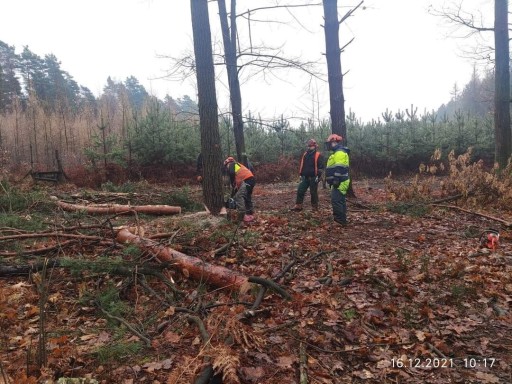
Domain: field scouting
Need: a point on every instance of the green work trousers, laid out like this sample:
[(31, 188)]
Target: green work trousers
[(304, 184)]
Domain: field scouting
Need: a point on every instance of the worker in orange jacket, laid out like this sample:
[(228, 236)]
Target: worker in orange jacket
[(242, 183), (312, 165)]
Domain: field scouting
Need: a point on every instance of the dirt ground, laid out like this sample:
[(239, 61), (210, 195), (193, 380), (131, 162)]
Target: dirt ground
[(403, 294)]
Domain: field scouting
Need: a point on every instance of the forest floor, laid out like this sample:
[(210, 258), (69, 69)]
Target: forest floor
[(403, 294)]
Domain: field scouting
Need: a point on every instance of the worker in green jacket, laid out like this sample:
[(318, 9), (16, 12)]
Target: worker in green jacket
[(337, 176)]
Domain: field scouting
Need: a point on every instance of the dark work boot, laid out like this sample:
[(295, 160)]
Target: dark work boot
[(297, 208)]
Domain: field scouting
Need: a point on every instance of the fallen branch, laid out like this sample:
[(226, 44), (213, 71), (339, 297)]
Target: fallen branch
[(270, 284), (4, 377), (169, 236), (303, 359), (360, 204), (225, 247), (38, 251), (130, 327), (446, 199), (497, 309), (207, 373), (121, 209), (50, 234), (505, 223), (327, 279), (263, 288), (436, 351)]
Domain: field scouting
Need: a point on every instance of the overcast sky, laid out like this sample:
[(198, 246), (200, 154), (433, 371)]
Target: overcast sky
[(400, 55)]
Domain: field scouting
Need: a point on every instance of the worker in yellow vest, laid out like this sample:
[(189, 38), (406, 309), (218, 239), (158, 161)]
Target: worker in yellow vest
[(242, 182), (337, 176)]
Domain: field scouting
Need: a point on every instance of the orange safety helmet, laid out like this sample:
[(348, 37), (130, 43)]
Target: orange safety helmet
[(229, 160), (334, 138), (312, 143)]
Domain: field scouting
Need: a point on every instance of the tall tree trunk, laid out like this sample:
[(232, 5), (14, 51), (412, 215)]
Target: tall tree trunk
[(335, 76), (34, 130), (502, 129), (235, 94), (209, 123)]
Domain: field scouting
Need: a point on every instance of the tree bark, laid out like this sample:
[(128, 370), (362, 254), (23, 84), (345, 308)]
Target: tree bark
[(502, 135), (197, 269), (334, 72), (121, 209), (207, 102), (335, 76), (235, 94)]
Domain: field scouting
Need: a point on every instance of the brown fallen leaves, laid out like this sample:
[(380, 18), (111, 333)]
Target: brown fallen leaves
[(388, 287)]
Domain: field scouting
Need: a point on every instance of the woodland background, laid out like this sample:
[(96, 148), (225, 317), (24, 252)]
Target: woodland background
[(44, 110)]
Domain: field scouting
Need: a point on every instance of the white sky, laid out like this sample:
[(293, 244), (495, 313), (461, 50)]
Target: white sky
[(401, 55)]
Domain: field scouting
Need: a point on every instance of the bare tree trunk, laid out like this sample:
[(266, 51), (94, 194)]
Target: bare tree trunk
[(502, 136), (34, 130), (17, 141), (502, 120), (335, 76), (235, 94), (209, 123)]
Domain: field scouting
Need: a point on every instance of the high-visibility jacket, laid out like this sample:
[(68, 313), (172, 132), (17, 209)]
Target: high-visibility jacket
[(337, 170), (238, 173), (318, 164)]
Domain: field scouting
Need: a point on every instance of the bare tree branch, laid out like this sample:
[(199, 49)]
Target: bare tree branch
[(349, 13), (460, 18), (465, 25)]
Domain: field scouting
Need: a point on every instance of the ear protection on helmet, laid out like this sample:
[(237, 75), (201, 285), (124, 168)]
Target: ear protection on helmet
[(334, 137), (229, 160)]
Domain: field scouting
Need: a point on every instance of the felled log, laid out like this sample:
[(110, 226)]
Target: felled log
[(120, 209), (195, 268)]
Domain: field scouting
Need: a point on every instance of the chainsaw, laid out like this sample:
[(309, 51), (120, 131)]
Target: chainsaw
[(489, 239)]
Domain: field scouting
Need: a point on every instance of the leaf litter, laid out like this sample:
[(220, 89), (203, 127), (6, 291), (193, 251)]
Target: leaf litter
[(389, 298)]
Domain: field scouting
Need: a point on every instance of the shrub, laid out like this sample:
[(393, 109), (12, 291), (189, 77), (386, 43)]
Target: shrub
[(13, 199), (476, 184), (286, 169), (183, 198)]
